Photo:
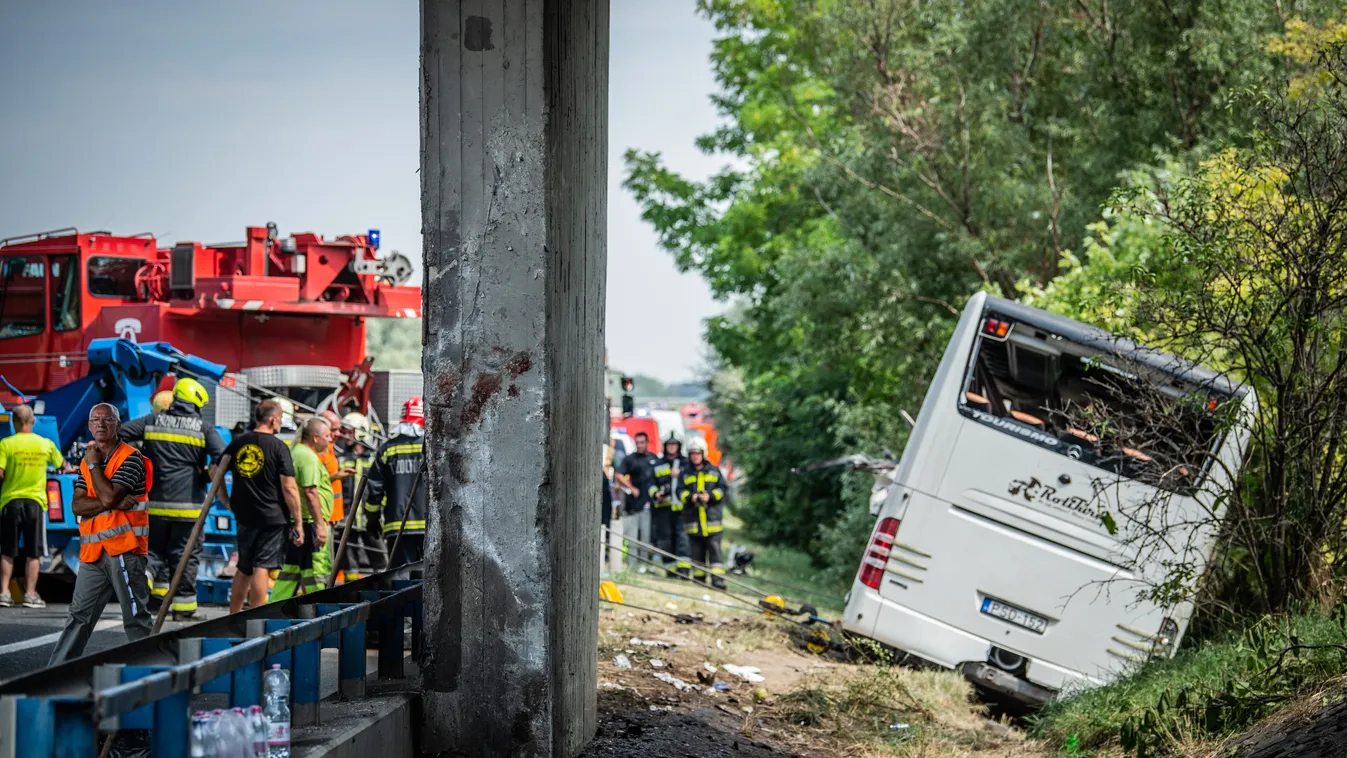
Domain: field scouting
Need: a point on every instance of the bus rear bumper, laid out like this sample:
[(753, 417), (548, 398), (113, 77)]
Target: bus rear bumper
[(898, 626), (1005, 683)]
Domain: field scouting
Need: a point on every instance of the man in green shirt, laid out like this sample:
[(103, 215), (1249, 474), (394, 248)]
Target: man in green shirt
[(24, 458), (305, 567)]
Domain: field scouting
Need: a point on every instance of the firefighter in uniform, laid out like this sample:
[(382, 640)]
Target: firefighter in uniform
[(181, 444), (397, 464), (364, 549), (667, 531), (701, 489)]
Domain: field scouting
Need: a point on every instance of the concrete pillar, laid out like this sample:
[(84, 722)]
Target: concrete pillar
[(514, 107)]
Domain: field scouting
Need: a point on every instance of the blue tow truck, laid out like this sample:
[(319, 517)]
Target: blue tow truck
[(127, 375)]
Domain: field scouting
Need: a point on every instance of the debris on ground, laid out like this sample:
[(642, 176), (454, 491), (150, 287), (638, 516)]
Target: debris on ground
[(637, 642), (675, 681), (656, 663), (622, 662), (747, 673)]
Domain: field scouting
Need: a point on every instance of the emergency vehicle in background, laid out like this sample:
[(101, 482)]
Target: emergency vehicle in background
[(283, 313)]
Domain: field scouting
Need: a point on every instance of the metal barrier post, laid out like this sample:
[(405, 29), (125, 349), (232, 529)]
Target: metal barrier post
[(415, 610), (351, 662), (390, 638), (172, 734), (245, 686), (39, 727), (142, 717), (211, 646), (350, 645), (306, 662)]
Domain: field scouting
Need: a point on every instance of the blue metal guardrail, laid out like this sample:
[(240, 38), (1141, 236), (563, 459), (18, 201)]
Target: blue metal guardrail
[(158, 698)]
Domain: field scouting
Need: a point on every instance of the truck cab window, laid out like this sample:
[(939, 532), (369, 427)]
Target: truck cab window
[(113, 276), (65, 294), (23, 284)]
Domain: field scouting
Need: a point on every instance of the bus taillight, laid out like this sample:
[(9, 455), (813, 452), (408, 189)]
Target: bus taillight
[(996, 327), (877, 555), (55, 508)]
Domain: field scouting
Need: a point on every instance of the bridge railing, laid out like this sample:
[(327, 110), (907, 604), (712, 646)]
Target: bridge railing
[(158, 697)]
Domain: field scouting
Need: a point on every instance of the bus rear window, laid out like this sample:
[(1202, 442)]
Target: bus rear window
[(113, 276), (1093, 407)]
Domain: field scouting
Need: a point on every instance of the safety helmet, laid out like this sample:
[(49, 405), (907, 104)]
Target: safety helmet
[(673, 438), (359, 425), (414, 410), (287, 413), (162, 400), (190, 390), (696, 446)]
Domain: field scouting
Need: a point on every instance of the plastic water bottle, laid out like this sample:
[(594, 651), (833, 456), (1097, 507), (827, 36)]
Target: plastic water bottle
[(227, 737), (257, 725), (276, 686), (198, 736), (244, 733)]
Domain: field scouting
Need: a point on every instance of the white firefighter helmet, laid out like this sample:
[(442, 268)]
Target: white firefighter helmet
[(360, 427), (697, 445), (287, 414)]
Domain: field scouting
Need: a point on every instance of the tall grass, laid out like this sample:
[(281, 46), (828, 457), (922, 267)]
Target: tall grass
[(1213, 690)]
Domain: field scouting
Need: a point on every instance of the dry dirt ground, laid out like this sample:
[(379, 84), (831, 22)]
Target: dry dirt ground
[(805, 705)]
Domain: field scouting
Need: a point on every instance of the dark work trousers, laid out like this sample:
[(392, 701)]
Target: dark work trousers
[(122, 577), (706, 552), (168, 539), (669, 535)]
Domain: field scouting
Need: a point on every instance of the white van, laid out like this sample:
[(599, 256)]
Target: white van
[(990, 555)]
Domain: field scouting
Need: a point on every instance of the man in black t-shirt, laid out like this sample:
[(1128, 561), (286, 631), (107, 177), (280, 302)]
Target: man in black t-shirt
[(636, 476), (265, 502)]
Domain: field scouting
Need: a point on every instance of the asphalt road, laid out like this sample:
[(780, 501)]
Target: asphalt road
[(28, 635)]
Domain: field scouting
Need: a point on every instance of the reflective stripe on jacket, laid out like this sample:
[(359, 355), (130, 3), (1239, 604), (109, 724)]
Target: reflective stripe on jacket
[(702, 518), (180, 443), (117, 531), (665, 470), (391, 478)]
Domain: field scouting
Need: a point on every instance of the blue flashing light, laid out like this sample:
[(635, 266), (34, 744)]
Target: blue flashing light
[(374, 238)]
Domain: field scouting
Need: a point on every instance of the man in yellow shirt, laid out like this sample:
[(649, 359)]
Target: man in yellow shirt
[(24, 458)]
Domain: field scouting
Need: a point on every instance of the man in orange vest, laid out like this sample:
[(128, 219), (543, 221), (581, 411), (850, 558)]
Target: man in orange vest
[(339, 475), (111, 501)]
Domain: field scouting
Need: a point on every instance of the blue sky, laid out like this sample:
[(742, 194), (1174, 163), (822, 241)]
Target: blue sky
[(194, 120)]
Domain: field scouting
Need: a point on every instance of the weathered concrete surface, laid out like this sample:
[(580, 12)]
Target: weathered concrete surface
[(378, 726), (514, 141)]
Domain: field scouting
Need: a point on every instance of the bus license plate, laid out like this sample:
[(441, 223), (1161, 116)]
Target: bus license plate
[(1014, 615)]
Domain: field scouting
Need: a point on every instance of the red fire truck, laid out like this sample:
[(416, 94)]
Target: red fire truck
[(264, 302)]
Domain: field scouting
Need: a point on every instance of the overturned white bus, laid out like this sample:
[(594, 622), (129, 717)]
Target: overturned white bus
[(993, 553)]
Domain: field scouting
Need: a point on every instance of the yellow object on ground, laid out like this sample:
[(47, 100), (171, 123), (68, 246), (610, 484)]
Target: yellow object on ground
[(609, 591)]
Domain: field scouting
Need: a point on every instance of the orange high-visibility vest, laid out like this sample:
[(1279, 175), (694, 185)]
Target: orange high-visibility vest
[(116, 532), (329, 459)]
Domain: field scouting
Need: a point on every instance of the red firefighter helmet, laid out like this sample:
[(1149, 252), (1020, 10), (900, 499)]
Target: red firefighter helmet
[(413, 410)]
